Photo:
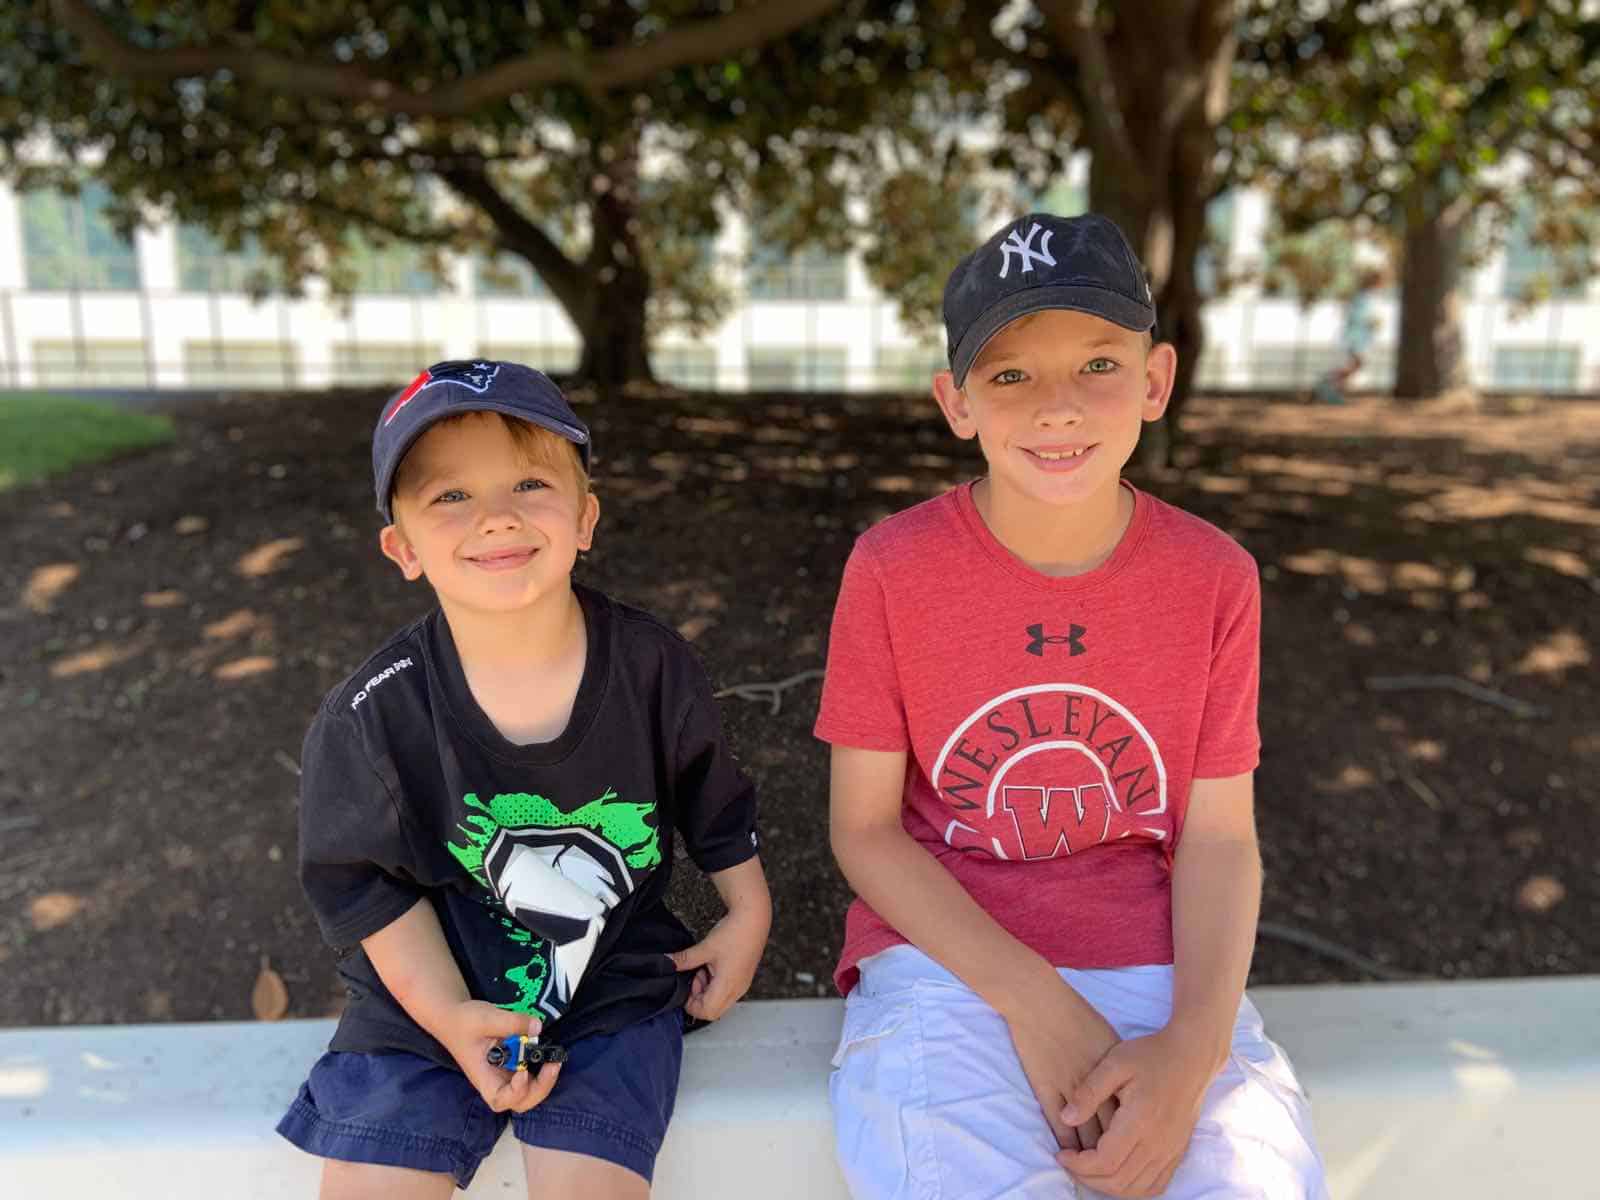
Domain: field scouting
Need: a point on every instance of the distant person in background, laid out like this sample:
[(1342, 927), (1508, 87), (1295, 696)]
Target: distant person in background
[(1360, 325)]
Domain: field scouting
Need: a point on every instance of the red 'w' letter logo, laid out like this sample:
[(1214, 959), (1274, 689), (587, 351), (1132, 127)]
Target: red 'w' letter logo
[(1053, 819)]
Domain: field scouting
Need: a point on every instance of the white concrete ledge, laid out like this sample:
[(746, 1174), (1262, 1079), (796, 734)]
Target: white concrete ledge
[(1464, 1090)]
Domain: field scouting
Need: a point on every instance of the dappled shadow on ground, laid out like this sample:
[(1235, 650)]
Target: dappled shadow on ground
[(172, 620)]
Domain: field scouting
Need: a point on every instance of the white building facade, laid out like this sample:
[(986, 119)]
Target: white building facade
[(82, 308)]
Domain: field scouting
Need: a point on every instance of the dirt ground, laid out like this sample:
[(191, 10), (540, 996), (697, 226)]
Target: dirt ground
[(170, 620)]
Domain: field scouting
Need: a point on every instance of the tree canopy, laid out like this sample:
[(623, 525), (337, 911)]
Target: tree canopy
[(474, 126), (604, 142), (1431, 127)]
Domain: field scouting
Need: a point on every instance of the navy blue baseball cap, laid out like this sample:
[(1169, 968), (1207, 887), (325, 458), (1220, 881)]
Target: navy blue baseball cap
[(467, 385), (1037, 262)]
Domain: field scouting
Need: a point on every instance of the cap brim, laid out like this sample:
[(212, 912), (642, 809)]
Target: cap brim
[(571, 433), (1096, 301)]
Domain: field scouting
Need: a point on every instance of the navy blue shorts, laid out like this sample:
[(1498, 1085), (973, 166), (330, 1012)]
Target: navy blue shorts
[(612, 1102)]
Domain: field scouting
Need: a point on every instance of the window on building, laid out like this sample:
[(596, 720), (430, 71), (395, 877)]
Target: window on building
[(381, 362), (239, 364), (685, 366), (91, 364), (1216, 252), (1063, 199), (507, 275), (553, 358), (797, 369), (1551, 368), (1293, 366), (68, 242), (205, 265), (1211, 372), (393, 269), (909, 368), (1532, 269), (1300, 366), (810, 273), (1318, 264)]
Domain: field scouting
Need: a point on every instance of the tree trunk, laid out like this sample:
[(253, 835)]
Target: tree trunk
[(1178, 304), (1157, 225), (612, 322), (1430, 360), (606, 294), (1151, 166)]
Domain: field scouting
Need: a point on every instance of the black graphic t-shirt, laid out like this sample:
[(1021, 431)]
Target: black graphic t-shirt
[(547, 864)]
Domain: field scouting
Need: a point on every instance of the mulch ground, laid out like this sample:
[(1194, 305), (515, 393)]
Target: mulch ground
[(171, 619)]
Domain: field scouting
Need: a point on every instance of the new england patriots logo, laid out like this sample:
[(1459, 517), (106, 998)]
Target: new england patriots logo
[(475, 375)]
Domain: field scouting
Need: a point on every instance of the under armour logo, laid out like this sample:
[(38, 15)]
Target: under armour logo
[(1073, 638), (1022, 247)]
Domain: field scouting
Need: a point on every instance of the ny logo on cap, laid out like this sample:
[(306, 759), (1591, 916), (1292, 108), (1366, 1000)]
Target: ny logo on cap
[(1022, 247)]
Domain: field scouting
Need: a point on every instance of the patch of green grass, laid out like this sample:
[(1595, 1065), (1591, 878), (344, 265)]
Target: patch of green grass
[(41, 434)]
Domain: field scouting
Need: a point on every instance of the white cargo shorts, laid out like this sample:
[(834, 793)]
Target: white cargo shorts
[(930, 1101)]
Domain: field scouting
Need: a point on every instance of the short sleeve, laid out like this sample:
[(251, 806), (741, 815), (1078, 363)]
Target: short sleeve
[(715, 801), (861, 700), (355, 860), (1230, 739)]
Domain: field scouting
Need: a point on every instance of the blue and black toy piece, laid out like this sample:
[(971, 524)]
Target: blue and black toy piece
[(520, 1051)]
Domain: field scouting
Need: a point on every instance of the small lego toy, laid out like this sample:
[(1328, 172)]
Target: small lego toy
[(520, 1051)]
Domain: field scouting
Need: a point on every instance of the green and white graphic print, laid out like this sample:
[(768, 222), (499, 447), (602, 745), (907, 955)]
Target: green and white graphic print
[(558, 874)]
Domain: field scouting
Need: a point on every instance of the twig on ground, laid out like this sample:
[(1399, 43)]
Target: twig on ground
[(28, 858), (1330, 949), (19, 873), (287, 763), (1422, 791), (1454, 683), (771, 692)]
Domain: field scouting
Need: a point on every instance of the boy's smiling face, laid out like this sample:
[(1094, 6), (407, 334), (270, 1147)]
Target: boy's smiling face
[(493, 521), (1056, 400)]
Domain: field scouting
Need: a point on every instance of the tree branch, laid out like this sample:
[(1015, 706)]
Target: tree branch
[(1554, 135), (520, 236), (433, 235), (1072, 24), (700, 42)]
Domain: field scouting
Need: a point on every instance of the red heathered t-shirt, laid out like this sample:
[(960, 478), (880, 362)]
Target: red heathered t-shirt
[(1053, 726)]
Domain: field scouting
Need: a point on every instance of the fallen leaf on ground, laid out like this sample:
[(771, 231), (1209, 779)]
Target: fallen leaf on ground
[(267, 557), (1540, 894), (54, 909), (269, 999), (236, 623), (243, 668), (96, 658), (46, 583)]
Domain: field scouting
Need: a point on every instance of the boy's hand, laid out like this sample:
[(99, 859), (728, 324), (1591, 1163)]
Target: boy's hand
[(1159, 1083), (468, 1029), (724, 963), (1059, 1038)]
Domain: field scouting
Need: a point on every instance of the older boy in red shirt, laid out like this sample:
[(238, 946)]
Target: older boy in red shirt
[(1041, 696)]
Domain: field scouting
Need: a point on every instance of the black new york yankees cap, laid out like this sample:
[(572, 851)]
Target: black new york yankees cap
[(467, 385), (1043, 261)]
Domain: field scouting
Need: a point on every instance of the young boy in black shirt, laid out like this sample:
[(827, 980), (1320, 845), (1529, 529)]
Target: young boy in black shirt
[(487, 818)]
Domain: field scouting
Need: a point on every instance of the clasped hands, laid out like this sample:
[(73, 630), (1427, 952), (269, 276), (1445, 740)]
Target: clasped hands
[(1121, 1111)]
